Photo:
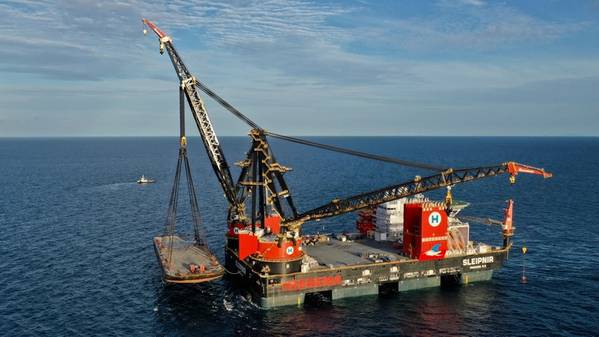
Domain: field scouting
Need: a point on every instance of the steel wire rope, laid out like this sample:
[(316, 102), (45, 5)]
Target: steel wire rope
[(199, 233), (356, 153), (171, 218), (252, 124)]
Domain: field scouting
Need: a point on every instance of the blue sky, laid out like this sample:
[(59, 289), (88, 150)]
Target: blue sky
[(448, 67)]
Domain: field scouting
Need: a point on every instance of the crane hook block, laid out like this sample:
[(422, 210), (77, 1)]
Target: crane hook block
[(448, 197), (164, 40)]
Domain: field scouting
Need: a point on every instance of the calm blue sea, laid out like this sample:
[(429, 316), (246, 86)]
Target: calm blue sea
[(76, 254)]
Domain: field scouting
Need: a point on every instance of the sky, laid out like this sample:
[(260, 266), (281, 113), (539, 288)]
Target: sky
[(339, 68)]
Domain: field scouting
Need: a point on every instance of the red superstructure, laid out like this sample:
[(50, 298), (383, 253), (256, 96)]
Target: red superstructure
[(425, 230), (272, 224), (365, 222), (248, 243), (262, 243)]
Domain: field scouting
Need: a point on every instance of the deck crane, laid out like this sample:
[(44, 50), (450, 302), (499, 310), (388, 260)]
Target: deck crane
[(270, 237)]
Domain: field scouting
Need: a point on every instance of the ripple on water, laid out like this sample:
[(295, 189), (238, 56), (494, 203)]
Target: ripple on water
[(77, 257)]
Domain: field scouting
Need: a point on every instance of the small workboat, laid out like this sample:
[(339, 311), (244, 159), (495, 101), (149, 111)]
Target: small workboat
[(144, 180)]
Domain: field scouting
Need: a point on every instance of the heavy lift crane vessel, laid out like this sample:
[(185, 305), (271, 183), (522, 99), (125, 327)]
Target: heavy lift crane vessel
[(269, 237)]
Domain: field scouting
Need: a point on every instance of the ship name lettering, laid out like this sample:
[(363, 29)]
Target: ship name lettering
[(477, 260)]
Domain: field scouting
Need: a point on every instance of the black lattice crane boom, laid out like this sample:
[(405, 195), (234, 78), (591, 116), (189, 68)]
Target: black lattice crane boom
[(446, 178), (189, 85)]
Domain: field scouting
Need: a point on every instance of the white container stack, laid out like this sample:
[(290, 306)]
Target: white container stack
[(389, 219)]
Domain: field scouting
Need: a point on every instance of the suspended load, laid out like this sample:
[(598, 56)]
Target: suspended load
[(185, 260)]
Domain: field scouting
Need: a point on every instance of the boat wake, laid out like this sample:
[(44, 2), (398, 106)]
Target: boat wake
[(110, 187)]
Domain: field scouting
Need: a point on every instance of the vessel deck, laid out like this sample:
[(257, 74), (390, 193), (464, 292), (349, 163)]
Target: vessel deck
[(336, 253)]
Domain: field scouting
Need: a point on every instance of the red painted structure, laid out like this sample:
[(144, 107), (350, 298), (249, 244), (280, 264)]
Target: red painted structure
[(248, 243), (270, 249), (272, 223), (425, 231), (508, 218), (365, 222), (266, 247), (311, 282)]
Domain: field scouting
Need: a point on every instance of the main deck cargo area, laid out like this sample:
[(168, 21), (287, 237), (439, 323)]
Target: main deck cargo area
[(336, 253), (333, 253)]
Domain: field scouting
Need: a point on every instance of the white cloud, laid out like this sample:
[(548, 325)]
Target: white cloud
[(109, 31), (473, 2), (289, 64), (98, 40), (252, 21), (476, 28)]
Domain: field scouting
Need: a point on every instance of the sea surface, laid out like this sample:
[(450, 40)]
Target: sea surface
[(76, 254)]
